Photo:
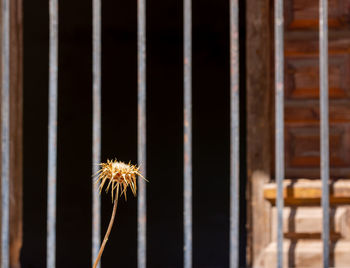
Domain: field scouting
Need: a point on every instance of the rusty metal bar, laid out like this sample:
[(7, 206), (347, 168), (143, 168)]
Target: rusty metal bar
[(52, 143), (141, 145), (279, 114), (5, 133), (96, 126), (187, 133), (234, 151), (324, 129)]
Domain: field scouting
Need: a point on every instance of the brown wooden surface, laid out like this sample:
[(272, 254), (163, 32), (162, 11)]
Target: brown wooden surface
[(303, 14), (16, 87), (305, 192), (302, 139), (16, 132), (259, 71)]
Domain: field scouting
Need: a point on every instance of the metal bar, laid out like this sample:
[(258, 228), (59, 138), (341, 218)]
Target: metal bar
[(5, 132), (96, 127), (234, 151), (324, 127), (142, 210), (52, 143), (187, 133), (279, 110)]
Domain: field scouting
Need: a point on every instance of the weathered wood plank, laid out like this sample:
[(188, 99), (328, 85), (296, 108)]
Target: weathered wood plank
[(16, 75), (16, 87), (259, 82), (309, 192)]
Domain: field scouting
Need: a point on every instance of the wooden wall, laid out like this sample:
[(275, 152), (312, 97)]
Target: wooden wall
[(302, 88), (302, 140)]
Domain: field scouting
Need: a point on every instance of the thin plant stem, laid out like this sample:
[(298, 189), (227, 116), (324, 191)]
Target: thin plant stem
[(109, 228)]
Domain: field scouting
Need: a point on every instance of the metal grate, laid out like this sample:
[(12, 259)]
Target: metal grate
[(324, 128), (187, 128)]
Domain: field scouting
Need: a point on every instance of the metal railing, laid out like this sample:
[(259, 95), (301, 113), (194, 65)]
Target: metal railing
[(5, 134), (96, 125), (187, 5), (324, 126), (52, 146), (187, 124), (279, 131), (234, 150), (279, 126)]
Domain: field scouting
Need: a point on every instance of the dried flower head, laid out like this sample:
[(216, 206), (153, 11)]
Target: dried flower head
[(119, 176)]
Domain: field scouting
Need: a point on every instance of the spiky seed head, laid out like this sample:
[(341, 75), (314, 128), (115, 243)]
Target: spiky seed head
[(119, 176)]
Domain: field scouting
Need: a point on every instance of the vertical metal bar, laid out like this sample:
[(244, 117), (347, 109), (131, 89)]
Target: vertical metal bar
[(324, 127), (279, 110), (187, 133), (52, 154), (5, 133), (141, 51), (234, 151), (96, 126)]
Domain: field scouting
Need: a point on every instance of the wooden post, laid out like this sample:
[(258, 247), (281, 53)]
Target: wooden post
[(259, 72), (16, 87)]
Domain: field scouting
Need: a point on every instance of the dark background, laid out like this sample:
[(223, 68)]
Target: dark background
[(119, 131)]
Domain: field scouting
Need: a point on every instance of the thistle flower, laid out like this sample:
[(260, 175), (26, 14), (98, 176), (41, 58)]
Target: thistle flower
[(119, 176)]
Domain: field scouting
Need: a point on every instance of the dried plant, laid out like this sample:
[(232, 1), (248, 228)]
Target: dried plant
[(118, 176)]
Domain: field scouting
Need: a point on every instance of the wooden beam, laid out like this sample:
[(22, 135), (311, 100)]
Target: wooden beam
[(16, 130), (309, 192), (259, 78)]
